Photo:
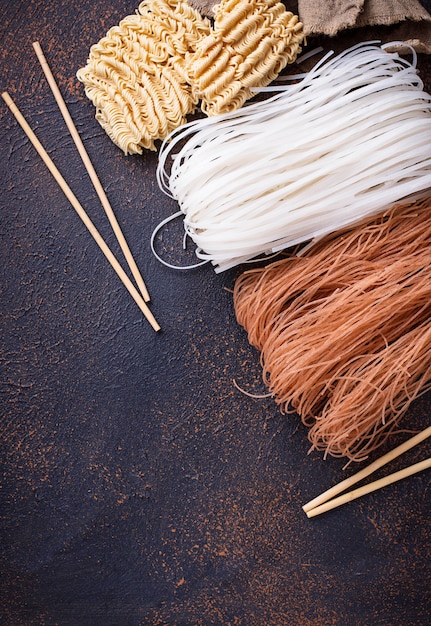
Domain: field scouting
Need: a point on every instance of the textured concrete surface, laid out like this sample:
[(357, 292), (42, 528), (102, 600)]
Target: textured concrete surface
[(138, 485)]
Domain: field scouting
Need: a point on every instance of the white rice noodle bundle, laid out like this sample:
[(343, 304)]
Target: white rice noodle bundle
[(347, 141)]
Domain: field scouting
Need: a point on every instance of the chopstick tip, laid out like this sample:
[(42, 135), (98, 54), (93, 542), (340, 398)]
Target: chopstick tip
[(39, 52), (6, 97)]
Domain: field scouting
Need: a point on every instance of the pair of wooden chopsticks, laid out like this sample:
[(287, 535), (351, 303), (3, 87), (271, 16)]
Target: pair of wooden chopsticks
[(327, 500), (140, 298)]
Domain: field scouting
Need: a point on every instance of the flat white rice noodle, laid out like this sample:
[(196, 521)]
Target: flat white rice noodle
[(346, 142)]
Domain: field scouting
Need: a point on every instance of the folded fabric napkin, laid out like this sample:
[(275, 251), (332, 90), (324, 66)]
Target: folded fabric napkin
[(404, 20)]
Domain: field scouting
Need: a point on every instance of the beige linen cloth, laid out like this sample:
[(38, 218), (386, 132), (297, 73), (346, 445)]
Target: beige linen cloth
[(387, 20)]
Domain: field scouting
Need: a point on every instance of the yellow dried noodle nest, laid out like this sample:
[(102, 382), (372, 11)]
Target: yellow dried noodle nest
[(149, 72), (135, 76), (250, 43)]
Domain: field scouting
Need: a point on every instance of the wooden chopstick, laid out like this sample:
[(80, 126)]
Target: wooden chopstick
[(91, 171), (377, 484), (317, 503), (82, 214)]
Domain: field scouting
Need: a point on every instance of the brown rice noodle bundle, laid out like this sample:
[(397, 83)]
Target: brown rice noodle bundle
[(249, 45), (344, 330)]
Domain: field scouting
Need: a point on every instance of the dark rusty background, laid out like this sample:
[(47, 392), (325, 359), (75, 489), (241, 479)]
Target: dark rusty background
[(138, 485)]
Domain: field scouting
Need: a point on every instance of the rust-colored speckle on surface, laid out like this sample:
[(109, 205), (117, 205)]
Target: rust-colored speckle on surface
[(139, 485)]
